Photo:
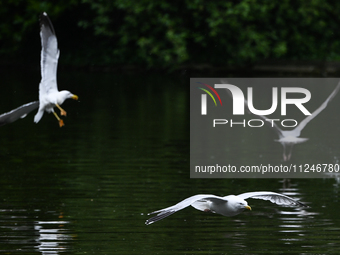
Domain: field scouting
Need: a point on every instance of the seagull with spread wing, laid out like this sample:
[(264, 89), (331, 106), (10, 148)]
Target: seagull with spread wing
[(227, 206), (49, 96), (288, 138), (18, 113)]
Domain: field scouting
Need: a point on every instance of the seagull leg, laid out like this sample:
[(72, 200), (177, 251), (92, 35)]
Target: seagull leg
[(61, 122), (62, 111), (290, 151), (284, 152)]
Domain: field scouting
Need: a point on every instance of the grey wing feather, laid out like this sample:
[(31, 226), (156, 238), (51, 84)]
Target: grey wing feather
[(273, 197), (49, 55), (18, 113), (205, 203), (161, 214), (317, 111)]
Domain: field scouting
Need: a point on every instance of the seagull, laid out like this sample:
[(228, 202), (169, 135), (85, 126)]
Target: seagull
[(18, 113), (49, 96), (227, 206), (288, 138)]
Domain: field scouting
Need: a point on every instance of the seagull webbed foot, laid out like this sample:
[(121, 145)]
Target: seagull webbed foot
[(61, 122), (62, 111)]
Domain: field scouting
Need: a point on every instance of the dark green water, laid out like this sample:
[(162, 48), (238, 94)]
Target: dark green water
[(86, 188)]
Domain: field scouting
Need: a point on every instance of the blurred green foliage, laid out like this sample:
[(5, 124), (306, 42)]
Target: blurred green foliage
[(167, 34)]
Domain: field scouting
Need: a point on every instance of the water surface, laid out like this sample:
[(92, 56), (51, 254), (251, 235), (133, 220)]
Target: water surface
[(124, 152)]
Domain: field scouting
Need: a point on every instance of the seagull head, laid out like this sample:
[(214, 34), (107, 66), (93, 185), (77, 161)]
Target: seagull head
[(243, 205), (65, 94), (240, 204)]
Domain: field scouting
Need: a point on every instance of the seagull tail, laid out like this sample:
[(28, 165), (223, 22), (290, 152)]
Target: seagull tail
[(38, 116)]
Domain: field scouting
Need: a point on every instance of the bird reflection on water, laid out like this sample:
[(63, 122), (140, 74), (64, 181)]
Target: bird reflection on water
[(48, 236)]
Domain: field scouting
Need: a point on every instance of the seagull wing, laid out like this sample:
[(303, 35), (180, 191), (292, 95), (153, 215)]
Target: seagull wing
[(269, 122), (49, 56), (161, 214), (18, 113), (273, 197), (317, 111)]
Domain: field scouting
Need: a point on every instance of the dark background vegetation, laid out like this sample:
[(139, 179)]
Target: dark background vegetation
[(173, 34)]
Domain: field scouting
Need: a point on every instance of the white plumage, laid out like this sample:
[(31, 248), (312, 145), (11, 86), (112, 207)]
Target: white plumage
[(227, 206), (49, 96)]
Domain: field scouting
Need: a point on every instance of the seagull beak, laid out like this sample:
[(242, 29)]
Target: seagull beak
[(248, 207), (75, 97)]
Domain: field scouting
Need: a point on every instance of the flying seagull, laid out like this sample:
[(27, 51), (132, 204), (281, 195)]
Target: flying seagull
[(288, 138), (18, 113), (49, 96), (227, 206)]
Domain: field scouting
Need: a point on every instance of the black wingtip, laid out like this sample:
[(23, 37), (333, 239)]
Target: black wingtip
[(158, 217), (148, 222), (302, 204), (43, 16), (45, 21)]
